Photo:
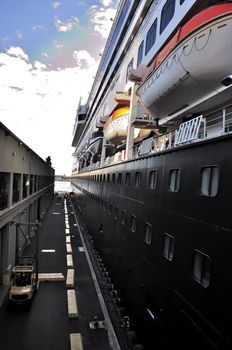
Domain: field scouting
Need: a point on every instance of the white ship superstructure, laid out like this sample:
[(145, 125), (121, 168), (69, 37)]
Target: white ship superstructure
[(143, 33)]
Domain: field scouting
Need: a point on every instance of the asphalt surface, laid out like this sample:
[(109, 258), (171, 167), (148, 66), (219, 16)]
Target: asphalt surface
[(44, 324)]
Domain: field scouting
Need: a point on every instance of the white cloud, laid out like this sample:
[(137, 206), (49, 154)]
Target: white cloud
[(84, 59), (56, 4), (57, 45), (17, 52), (67, 26), (39, 105), (37, 27), (105, 2), (19, 34), (40, 66), (102, 19)]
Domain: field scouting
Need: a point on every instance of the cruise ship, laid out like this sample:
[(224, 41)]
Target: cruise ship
[(152, 170)]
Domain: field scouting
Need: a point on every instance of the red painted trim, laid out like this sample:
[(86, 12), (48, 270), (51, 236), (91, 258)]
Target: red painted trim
[(203, 17), (121, 101), (192, 25)]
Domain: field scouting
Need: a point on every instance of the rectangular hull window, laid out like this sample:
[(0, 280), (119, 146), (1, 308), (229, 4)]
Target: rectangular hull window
[(119, 178), (209, 181), (148, 233), (201, 268), (137, 179), (127, 179), (167, 13), (123, 217), (168, 246), (116, 212), (133, 223), (153, 179), (174, 180), (140, 53), (151, 37)]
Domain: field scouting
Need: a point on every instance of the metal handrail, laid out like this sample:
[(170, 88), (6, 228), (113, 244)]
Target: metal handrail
[(211, 127)]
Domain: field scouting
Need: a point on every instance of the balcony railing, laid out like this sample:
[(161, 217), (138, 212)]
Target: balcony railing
[(207, 126)]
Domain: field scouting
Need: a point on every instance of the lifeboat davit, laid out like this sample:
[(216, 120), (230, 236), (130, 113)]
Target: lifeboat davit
[(122, 97), (115, 128), (193, 64)]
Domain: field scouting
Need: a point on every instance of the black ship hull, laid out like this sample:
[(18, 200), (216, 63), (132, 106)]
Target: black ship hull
[(162, 224)]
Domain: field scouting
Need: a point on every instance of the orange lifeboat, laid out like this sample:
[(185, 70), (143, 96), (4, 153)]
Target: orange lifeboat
[(115, 128)]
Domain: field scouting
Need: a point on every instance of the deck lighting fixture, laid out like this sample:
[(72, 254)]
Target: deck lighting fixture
[(48, 250)]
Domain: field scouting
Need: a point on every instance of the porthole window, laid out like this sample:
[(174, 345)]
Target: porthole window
[(167, 13), (153, 179), (148, 233), (168, 246), (209, 181), (201, 268), (181, 2), (174, 180)]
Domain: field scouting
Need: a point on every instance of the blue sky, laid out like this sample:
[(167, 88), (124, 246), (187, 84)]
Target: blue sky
[(49, 53), (48, 30)]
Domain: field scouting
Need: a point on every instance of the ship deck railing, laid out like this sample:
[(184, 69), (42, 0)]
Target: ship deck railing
[(212, 125)]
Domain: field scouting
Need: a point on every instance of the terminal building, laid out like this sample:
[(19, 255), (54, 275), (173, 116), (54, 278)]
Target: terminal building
[(26, 188)]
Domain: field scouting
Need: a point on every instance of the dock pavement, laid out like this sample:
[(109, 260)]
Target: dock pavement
[(66, 313)]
